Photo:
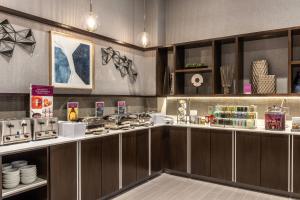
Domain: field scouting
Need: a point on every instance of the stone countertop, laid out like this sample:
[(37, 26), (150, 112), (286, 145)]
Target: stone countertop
[(16, 148)]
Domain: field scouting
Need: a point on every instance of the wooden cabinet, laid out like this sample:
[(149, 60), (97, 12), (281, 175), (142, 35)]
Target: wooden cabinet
[(296, 166), (142, 154), (221, 154), (91, 161), (177, 149), (200, 152), (157, 149), (274, 161), (110, 165), (248, 158), (128, 159), (63, 171)]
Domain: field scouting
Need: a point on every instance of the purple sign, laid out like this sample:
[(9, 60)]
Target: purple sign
[(41, 90)]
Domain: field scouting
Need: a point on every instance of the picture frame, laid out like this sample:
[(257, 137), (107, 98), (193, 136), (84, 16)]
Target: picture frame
[(71, 62)]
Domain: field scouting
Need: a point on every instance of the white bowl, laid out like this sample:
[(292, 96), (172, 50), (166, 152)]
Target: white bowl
[(6, 166), (10, 186), (19, 163), (12, 172), (10, 178), (12, 182), (28, 181)]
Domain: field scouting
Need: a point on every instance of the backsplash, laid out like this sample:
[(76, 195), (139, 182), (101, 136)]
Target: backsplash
[(17, 105), (262, 103)]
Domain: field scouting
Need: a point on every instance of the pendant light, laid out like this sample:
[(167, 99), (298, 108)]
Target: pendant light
[(91, 19), (144, 36)]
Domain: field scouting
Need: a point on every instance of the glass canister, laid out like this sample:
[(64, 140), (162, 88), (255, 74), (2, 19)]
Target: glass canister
[(275, 119)]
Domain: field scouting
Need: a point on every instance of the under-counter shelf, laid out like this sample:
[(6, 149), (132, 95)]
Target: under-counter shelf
[(23, 188)]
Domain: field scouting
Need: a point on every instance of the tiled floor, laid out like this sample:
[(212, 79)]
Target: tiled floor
[(167, 187)]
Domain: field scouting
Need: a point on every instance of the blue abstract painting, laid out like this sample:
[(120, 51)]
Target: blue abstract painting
[(81, 59), (72, 62), (62, 67)]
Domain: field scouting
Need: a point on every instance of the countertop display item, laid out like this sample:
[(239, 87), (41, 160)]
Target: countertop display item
[(295, 124), (182, 110), (99, 108), (296, 83), (15, 131), (45, 128), (197, 80), (72, 111), (258, 68), (72, 129), (121, 63), (266, 84), (193, 116), (41, 101), (227, 73), (275, 118), (247, 88), (235, 116), (159, 118), (121, 107), (196, 65), (72, 62), (10, 38)]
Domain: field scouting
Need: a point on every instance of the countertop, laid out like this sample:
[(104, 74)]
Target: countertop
[(15, 148)]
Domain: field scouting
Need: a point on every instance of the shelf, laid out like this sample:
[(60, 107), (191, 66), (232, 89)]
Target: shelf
[(23, 188), (296, 95), (186, 70), (295, 62)]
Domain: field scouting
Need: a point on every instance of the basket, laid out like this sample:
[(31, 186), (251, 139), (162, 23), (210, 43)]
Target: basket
[(258, 68), (266, 84)]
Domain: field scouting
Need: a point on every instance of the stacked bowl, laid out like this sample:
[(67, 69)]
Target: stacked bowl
[(28, 174), (11, 178)]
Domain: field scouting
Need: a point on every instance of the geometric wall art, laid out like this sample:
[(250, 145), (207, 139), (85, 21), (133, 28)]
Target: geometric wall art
[(71, 62), (9, 37), (121, 63)]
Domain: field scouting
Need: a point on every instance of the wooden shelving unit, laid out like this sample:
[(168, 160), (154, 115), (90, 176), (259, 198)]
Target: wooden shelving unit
[(23, 188), (280, 47)]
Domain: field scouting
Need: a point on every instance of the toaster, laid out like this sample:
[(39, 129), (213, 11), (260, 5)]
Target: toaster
[(15, 131), (45, 128)]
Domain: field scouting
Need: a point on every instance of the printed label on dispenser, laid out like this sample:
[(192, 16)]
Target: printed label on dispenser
[(72, 111)]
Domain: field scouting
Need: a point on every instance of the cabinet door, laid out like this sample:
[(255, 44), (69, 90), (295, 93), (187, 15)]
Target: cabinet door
[(110, 165), (91, 169), (296, 166), (63, 171), (142, 154), (274, 161), (248, 158), (157, 149), (177, 149), (200, 152), (221, 154), (128, 158)]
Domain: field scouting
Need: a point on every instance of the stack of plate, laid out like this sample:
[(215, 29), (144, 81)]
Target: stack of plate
[(28, 174), (6, 166), (11, 178)]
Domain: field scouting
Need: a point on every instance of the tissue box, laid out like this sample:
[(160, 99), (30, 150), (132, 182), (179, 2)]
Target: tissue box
[(72, 129)]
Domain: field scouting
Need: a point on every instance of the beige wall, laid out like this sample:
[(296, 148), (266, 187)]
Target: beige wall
[(119, 19), (188, 20)]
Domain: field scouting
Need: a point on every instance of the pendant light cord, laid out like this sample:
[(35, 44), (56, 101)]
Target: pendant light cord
[(91, 5), (144, 15)]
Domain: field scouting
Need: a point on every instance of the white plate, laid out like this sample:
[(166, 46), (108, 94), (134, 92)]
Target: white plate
[(10, 186), (12, 171), (28, 181), (19, 163)]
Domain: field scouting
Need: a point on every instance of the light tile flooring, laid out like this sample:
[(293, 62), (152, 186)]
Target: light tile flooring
[(167, 187)]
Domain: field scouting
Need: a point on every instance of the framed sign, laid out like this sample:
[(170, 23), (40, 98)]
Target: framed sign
[(71, 62)]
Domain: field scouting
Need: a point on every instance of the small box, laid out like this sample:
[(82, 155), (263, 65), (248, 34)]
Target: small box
[(72, 129)]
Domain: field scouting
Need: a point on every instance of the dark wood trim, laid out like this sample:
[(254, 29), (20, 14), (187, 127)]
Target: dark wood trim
[(56, 24)]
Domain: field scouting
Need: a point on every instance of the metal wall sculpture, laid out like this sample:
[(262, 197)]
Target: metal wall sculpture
[(122, 63), (9, 37)]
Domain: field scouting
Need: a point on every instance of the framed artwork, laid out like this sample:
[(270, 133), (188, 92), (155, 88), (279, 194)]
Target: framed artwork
[(71, 62)]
